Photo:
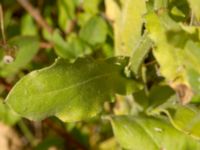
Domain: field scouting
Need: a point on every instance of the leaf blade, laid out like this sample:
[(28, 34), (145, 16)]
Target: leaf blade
[(138, 133), (70, 91)]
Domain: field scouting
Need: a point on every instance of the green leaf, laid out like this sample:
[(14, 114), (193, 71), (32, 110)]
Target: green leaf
[(66, 13), (139, 52), (148, 133), (127, 23), (28, 27), (141, 98), (192, 54), (7, 115), (94, 31), (177, 52), (61, 46), (91, 6), (78, 47), (27, 47), (159, 95), (165, 53), (184, 118), (70, 91), (71, 48)]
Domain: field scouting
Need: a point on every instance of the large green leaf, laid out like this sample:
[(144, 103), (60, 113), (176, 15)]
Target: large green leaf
[(70, 91), (127, 22), (26, 49), (139, 133)]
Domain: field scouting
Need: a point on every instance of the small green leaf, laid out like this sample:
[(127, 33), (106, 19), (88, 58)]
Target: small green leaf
[(94, 31), (28, 27), (139, 52), (26, 49), (148, 133), (91, 6), (70, 91), (61, 46), (71, 48), (66, 13), (159, 95)]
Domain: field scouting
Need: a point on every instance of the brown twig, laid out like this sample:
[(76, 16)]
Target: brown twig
[(150, 63), (35, 14), (71, 27), (2, 25), (6, 85), (64, 134), (45, 45)]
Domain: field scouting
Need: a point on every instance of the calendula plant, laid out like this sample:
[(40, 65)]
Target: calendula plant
[(133, 63)]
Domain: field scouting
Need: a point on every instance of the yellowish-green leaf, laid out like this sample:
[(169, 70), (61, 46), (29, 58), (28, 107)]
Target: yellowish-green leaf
[(127, 22), (148, 133), (70, 91), (166, 54), (139, 52)]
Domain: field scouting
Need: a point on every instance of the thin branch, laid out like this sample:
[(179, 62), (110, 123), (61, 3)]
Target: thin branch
[(64, 134), (192, 18), (45, 45), (35, 14), (71, 27), (2, 25)]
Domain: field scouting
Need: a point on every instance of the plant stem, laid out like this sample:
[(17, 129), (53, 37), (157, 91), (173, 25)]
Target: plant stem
[(71, 140), (35, 14), (26, 132), (2, 25)]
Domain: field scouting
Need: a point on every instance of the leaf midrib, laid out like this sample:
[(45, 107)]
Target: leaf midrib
[(74, 85)]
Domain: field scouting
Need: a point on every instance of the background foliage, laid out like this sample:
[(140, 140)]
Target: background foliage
[(100, 74)]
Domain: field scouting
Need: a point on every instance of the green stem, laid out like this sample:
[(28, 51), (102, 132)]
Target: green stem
[(26, 132)]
